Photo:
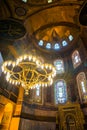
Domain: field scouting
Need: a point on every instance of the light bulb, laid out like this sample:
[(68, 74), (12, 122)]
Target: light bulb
[(30, 57), (25, 56), (34, 59), (9, 63), (13, 64)]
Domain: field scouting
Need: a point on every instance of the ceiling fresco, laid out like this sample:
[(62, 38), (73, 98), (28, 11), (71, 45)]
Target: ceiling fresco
[(56, 37), (59, 32), (53, 15), (11, 29)]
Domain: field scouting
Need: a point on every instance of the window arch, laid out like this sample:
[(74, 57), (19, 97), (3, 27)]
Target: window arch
[(1, 61), (24, 1), (41, 43), (64, 43), (38, 94), (35, 95), (48, 45), (37, 91), (59, 65), (81, 82), (60, 91), (76, 59), (56, 46), (49, 1), (70, 37)]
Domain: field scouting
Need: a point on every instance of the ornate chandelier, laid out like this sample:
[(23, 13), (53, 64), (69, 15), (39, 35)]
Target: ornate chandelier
[(29, 72)]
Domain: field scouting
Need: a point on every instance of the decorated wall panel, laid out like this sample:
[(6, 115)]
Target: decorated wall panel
[(36, 125)]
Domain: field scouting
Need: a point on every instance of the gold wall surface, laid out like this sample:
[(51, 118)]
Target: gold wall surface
[(70, 116), (7, 108)]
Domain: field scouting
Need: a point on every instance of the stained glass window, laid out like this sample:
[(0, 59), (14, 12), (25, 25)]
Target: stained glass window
[(1, 61), (37, 91), (59, 66), (40, 43), (64, 43), (76, 59), (24, 1), (56, 46), (38, 94), (48, 45), (60, 92), (35, 95), (82, 86), (49, 1), (70, 37)]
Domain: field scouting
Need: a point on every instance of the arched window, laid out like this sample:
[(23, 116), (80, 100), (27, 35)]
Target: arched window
[(56, 46), (1, 61), (38, 91), (24, 1), (35, 95), (76, 59), (40, 43), (48, 45), (64, 43), (59, 65), (60, 92), (38, 94), (70, 37), (49, 1), (82, 86)]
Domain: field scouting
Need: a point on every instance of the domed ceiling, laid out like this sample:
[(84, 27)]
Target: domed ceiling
[(48, 21), (56, 37)]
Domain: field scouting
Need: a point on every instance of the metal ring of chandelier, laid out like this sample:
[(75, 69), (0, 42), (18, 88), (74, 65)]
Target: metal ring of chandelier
[(29, 72)]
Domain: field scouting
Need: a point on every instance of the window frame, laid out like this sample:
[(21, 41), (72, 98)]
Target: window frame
[(64, 97), (62, 70), (74, 54), (81, 77)]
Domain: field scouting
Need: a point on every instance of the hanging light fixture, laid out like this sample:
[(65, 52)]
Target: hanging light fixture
[(29, 72)]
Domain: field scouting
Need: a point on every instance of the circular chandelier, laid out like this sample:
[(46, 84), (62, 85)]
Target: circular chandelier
[(29, 72)]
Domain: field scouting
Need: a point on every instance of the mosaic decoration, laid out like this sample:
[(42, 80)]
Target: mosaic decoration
[(56, 37), (60, 92), (20, 11), (11, 29)]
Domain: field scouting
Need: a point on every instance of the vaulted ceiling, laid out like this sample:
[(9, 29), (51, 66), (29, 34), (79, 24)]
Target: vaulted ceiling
[(23, 24)]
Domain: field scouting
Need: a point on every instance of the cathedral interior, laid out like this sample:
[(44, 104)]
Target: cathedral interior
[(43, 64)]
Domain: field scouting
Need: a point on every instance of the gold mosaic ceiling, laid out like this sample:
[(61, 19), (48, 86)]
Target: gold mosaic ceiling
[(40, 17)]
